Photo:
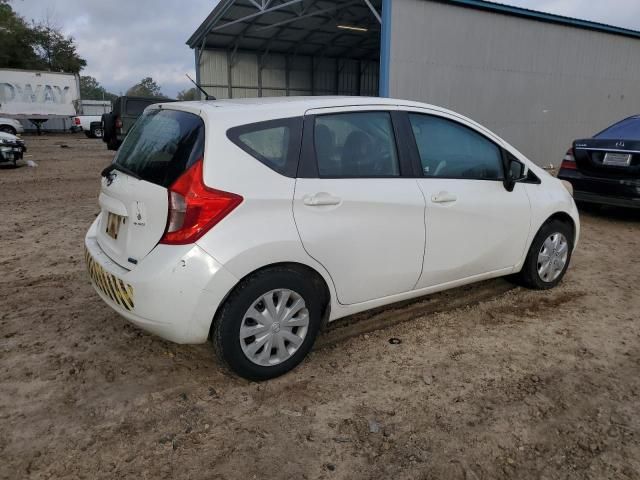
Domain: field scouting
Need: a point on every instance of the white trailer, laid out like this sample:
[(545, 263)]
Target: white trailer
[(39, 96)]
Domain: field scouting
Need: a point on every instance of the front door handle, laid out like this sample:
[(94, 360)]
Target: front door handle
[(444, 197), (321, 199)]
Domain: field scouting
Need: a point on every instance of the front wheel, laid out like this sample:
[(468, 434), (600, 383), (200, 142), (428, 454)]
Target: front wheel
[(268, 323), (549, 256)]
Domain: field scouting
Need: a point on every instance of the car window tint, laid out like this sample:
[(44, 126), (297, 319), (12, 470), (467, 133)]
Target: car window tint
[(450, 150), (359, 144), (269, 144), (162, 145), (275, 143), (628, 129), (136, 107)]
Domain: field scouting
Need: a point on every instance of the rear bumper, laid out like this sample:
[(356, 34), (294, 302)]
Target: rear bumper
[(174, 292), (604, 191)]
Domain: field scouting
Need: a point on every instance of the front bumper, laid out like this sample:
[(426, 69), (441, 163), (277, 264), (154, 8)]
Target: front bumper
[(174, 292), (619, 192), (11, 152)]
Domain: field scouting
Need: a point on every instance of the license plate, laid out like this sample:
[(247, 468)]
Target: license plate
[(113, 225), (617, 159)]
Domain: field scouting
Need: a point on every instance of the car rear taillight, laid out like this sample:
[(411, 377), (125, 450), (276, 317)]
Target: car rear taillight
[(569, 161), (195, 208), (118, 122), (76, 121)]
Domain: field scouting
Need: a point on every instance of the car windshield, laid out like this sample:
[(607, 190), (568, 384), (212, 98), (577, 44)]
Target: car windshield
[(628, 129), (162, 145)]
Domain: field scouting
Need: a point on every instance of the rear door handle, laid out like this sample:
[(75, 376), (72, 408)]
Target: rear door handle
[(443, 197), (321, 199)]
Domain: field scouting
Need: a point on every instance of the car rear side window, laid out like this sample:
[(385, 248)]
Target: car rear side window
[(356, 145), (162, 145), (450, 150), (275, 143), (627, 129)]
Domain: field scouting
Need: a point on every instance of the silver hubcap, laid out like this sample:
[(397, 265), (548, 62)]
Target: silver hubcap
[(552, 257), (274, 327)]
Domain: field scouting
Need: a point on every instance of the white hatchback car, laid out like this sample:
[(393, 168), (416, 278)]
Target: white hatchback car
[(254, 222)]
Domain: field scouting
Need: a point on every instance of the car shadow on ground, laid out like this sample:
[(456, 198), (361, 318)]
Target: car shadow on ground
[(611, 213)]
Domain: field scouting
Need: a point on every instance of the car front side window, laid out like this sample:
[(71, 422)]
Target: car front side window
[(448, 149)]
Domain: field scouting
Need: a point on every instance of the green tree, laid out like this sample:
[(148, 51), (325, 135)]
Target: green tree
[(90, 89), (146, 88), (38, 46), (188, 95), (16, 40), (57, 52)]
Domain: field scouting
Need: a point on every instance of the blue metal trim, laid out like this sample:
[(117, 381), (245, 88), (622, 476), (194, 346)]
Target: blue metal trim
[(543, 17), (385, 49)]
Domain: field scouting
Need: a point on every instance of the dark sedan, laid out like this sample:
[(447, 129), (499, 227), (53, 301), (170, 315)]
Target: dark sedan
[(605, 169), (12, 148)]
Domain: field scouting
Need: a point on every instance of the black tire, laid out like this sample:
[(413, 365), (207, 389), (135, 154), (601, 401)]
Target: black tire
[(96, 129), (529, 276), (8, 129), (108, 127), (226, 327)]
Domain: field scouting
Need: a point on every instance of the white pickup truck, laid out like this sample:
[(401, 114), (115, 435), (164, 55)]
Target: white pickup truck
[(91, 125)]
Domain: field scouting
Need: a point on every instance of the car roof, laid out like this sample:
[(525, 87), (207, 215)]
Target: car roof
[(297, 105)]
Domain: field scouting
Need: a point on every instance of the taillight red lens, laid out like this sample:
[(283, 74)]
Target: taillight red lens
[(76, 120), (569, 161), (195, 208), (118, 123)]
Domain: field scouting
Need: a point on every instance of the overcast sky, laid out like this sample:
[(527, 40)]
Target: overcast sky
[(126, 40)]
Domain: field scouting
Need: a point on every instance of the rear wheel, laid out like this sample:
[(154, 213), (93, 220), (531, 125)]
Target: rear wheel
[(269, 323), (96, 132), (548, 257)]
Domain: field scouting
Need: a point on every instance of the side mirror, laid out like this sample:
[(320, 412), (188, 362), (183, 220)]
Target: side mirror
[(516, 172)]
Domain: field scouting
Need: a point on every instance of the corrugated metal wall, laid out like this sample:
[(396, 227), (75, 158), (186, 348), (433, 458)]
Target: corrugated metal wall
[(281, 75), (538, 85)]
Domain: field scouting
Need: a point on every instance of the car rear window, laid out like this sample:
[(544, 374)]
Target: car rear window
[(162, 145), (136, 107), (628, 129)]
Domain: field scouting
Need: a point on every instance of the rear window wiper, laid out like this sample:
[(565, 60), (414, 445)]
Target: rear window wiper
[(115, 166)]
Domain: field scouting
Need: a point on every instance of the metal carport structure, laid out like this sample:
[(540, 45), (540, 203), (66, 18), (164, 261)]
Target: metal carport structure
[(294, 47)]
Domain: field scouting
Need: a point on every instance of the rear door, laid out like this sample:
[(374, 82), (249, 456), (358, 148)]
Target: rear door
[(134, 195), (355, 212)]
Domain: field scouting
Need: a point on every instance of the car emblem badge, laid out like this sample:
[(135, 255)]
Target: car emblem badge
[(110, 178), (620, 144)]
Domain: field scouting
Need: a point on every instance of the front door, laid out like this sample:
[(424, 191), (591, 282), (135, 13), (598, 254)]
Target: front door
[(355, 213), (474, 225)]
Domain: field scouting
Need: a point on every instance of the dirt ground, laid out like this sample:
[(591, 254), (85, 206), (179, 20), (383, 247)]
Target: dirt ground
[(521, 385)]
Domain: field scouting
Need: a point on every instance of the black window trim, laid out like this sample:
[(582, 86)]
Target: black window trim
[(293, 149), (415, 152), (308, 166), (507, 157)]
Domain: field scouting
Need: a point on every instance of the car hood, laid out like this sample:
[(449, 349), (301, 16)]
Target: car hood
[(8, 137)]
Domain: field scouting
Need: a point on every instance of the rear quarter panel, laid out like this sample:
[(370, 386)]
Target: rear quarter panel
[(261, 231)]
